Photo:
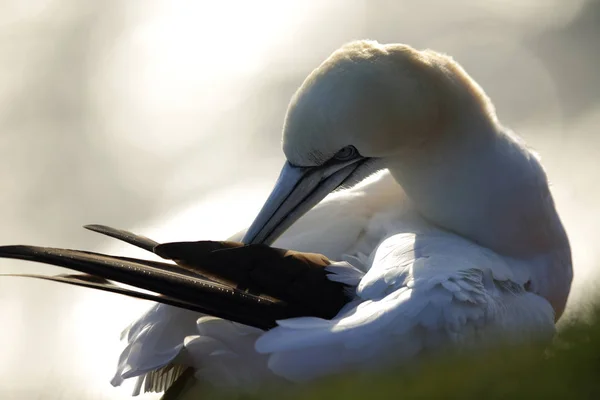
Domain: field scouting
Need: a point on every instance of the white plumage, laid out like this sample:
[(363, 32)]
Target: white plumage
[(456, 242)]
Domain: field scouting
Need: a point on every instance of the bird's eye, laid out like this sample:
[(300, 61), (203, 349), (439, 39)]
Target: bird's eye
[(347, 153)]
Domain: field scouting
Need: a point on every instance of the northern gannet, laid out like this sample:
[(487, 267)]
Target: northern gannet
[(445, 234)]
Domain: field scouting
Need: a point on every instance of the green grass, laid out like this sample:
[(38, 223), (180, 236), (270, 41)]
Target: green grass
[(569, 368)]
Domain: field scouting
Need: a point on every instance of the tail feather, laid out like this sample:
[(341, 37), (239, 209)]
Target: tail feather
[(162, 379), (182, 386)]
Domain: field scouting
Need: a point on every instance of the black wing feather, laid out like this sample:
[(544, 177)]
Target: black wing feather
[(95, 282), (253, 285), (125, 236), (297, 278), (215, 298)]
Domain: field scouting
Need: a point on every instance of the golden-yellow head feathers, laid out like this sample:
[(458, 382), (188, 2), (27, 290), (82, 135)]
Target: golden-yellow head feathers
[(379, 98)]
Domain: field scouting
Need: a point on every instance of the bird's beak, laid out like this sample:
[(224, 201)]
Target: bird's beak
[(297, 190)]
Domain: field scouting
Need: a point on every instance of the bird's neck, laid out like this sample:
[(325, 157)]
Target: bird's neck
[(481, 183)]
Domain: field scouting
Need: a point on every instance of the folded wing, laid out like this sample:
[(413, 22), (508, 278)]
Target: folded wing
[(254, 285)]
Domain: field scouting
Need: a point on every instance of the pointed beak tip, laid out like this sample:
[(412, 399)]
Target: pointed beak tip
[(297, 190)]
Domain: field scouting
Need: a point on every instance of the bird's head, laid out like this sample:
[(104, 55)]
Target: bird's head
[(366, 103), (380, 99)]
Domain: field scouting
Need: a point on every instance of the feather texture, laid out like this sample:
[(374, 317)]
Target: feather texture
[(412, 300)]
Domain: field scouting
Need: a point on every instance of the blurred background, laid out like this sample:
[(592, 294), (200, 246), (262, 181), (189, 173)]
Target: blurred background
[(164, 117)]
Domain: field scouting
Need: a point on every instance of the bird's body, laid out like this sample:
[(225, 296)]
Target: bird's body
[(423, 288), (455, 242)]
